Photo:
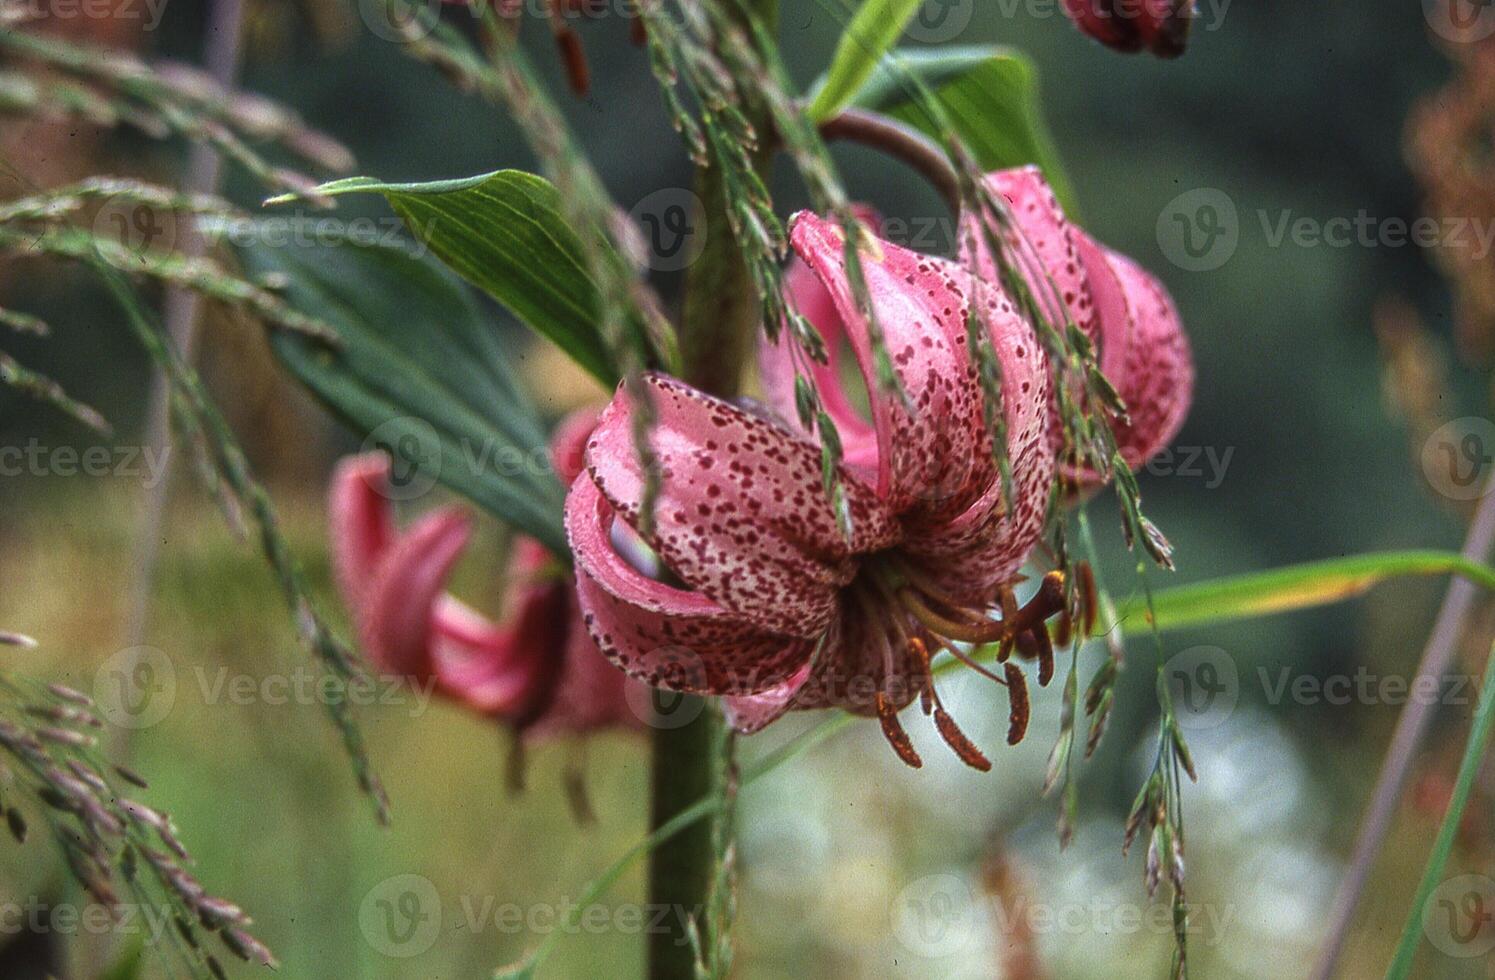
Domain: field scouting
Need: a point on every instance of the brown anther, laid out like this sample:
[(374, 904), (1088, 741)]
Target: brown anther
[(893, 731), (1040, 636), (1017, 696), (638, 32), (926, 674), (958, 742), (1089, 596)]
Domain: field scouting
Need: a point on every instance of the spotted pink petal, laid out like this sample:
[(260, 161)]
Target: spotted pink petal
[(1144, 351), (937, 458), (1042, 245), (568, 444), (753, 712), (396, 618), (777, 369), (664, 636), (741, 516)]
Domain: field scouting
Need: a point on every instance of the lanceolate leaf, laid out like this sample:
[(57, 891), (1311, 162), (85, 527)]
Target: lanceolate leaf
[(420, 370), (504, 233), (990, 94), (866, 39), (1294, 587)]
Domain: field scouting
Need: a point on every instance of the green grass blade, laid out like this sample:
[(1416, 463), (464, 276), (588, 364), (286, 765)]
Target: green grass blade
[(1474, 754)]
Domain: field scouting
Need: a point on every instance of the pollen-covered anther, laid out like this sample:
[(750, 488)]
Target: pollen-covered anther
[(892, 730), (959, 743)]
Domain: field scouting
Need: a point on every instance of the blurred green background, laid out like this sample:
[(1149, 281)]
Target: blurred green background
[(854, 866)]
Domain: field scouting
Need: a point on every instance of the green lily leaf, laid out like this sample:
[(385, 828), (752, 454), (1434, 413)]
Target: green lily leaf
[(503, 232), (866, 39), (421, 373), (1294, 587), (990, 94)]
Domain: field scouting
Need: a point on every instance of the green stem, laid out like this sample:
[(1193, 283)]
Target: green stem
[(1474, 753), (719, 321)]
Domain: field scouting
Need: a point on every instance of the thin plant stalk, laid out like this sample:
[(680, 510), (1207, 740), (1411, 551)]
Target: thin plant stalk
[(1411, 728), (1474, 755), (221, 52)]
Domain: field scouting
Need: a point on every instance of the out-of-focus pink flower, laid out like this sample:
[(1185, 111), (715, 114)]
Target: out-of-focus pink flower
[(1158, 26), (771, 605), (1140, 340), (536, 669)]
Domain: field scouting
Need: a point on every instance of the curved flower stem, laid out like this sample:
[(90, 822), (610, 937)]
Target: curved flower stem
[(902, 142), (719, 320), (1411, 727)]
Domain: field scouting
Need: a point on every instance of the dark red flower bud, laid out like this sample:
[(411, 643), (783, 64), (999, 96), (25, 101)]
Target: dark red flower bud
[(1159, 26)]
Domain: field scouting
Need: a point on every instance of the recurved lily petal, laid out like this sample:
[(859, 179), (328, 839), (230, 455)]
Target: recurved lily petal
[(1144, 351), (361, 528), (777, 369), (753, 712), (936, 458), (396, 620), (741, 515), (511, 669), (1042, 246), (665, 636)]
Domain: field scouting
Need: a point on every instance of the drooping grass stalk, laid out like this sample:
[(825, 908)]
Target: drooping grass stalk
[(720, 317)]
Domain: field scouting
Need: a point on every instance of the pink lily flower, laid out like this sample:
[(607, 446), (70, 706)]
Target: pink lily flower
[(1158, 26), (536, 669), (770, 605), (1139, 336)]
